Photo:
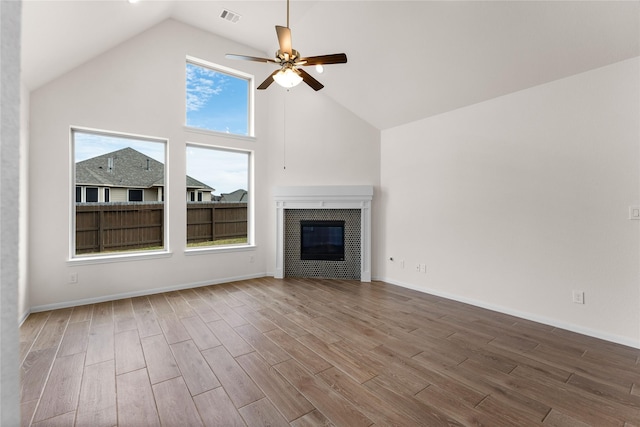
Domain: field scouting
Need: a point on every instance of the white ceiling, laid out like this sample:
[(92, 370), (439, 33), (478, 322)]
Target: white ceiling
[(407, 59)]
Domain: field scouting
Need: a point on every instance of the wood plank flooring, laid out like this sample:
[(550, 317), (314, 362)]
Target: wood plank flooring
[(303, 352)]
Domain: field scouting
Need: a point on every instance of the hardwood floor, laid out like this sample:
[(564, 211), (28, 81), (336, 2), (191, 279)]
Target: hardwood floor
[(303, 352)]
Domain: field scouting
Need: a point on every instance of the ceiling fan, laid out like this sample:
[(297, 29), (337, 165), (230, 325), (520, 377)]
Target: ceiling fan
[(290, 74)]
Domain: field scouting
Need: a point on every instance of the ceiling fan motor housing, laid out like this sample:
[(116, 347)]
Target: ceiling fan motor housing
[(284, 57)]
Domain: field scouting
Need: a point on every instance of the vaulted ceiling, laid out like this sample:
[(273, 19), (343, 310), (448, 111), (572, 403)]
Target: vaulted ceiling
[(407, 59)]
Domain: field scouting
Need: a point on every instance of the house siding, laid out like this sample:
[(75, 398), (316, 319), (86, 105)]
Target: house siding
[(150, 195), (118, 194)]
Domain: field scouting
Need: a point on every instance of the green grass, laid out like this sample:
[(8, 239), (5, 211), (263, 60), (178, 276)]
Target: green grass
[(210, 243), (220, 242)]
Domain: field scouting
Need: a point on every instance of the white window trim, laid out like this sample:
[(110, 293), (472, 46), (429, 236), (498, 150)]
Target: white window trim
[(250, 102), (250, 205), (75, 259)]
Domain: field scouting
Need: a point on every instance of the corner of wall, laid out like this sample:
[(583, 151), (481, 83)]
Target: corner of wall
[(23, 245)]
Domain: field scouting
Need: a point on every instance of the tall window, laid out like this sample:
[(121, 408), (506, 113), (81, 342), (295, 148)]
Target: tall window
[(219, 179), (218, 99), (119, 186)]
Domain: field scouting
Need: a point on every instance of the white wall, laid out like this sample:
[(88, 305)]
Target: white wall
[(9, 215), (315, 141), (517, 201), (23, 256), (137, 87)]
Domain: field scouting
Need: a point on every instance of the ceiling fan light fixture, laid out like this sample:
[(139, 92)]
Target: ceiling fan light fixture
[(289, 59), (287, 78)]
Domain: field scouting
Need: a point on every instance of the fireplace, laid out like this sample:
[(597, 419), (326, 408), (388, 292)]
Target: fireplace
[(336, 214)]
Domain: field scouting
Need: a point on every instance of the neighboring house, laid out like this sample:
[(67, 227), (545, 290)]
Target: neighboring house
[(128, 175), (238, 196), (197, 191)]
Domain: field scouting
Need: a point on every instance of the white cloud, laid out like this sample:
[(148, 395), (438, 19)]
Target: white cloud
[(202, 84)]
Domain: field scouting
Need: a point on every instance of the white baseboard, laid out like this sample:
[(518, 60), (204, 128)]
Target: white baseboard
[(145, 292), (523, 315), (23, 317)]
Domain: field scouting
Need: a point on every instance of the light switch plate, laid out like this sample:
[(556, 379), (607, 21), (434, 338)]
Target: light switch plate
[(634, 212)]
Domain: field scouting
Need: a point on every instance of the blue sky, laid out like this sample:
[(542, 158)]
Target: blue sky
[(216, 101), (226, 171), (88, 145)]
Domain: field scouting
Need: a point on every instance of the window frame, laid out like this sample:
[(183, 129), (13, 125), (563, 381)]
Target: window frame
[(250, 102), (250, 244), (130, 190), (97, 258), (86, 194)]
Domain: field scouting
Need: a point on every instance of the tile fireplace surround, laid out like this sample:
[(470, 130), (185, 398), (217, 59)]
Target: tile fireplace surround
[(325, 197)]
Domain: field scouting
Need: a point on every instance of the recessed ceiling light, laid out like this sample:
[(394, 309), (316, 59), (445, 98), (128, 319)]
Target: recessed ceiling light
[(133, 1)]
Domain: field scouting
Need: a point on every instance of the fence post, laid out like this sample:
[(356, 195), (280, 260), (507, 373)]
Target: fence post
[(213, 222), (100, 230)]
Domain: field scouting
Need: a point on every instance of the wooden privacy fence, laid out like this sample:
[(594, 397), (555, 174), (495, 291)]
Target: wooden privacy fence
[(208, 221), (107, 227)]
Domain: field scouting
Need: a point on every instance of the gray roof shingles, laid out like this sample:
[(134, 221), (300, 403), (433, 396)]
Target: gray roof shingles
[(131, 169)]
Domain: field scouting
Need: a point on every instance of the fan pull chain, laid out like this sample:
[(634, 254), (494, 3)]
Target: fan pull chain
[(284, 132)]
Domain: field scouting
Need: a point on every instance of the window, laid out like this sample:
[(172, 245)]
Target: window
[(119, 182), (91, 194), (218, 99), (221, 179), (135, 195)]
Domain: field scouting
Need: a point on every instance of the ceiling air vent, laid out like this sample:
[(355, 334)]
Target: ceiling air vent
[(230, 16)]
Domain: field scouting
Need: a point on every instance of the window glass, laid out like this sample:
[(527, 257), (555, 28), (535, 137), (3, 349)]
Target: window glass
[(126, 170), (92, 194), (135, 195), (217, 101), (220, 177)]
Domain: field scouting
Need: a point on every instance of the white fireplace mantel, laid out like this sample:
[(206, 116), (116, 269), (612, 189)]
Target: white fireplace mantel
[(326, 197)]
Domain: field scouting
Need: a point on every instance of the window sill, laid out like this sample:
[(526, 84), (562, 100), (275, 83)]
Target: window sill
[(223, 249), (219, 134), (103, 259)]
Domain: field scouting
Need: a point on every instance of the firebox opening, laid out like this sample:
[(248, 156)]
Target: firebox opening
[(322, 240)]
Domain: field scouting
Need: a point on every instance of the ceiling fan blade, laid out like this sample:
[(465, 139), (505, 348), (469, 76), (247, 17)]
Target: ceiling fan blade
[(284, 39), (308, 79), (265, 84), (248, 58), (336, 58)]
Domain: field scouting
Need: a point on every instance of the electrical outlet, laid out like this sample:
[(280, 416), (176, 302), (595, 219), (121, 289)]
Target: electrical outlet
[(73, 278), (423, 268), (578, 297), (418, 268)]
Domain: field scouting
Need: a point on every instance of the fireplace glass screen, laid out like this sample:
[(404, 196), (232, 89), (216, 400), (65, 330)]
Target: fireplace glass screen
[(322, 240)]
